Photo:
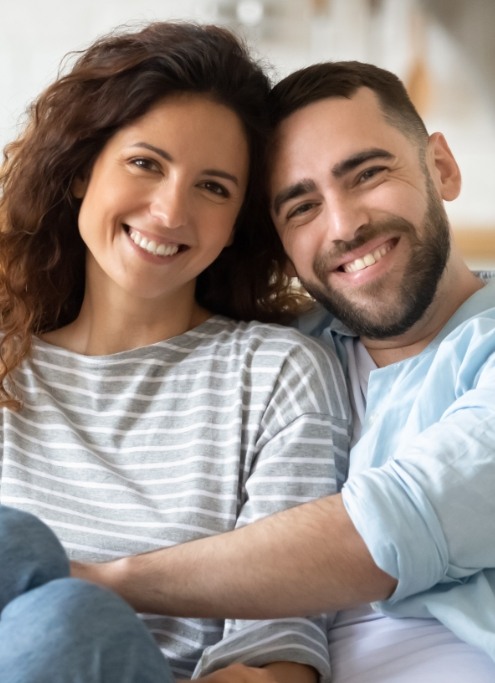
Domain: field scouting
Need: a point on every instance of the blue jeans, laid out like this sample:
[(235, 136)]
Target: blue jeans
[(56, 629)]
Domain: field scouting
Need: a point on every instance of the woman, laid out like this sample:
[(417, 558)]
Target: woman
[(140, 408)]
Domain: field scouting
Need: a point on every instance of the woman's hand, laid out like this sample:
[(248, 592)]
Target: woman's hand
[(278, 672), (238, 673)]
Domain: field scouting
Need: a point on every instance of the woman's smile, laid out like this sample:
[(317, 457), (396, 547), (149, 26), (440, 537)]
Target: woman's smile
[(165, 191), (153, 245)]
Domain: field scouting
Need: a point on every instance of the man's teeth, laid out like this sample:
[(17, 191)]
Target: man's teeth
[(366, 260), (151, 246)]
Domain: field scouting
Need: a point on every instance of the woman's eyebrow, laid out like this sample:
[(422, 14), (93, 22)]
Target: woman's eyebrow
[(168, 157), (221, 174), (158, 150)]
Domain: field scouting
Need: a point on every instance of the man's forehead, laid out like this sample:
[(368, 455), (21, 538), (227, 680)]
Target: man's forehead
[(331, 111), (335, 128)]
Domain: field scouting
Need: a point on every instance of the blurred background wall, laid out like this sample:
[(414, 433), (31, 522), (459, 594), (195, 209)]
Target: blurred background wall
[(444, 50)]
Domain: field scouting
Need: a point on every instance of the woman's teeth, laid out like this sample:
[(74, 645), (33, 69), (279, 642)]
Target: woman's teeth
[(151, 246)]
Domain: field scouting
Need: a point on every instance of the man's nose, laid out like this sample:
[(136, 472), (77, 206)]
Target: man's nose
[(345, 218)]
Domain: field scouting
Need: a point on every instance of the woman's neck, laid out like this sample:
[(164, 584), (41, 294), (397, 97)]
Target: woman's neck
[(100, 331)]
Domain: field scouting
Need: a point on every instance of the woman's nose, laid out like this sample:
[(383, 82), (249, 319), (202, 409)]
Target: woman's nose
[(169, 205)]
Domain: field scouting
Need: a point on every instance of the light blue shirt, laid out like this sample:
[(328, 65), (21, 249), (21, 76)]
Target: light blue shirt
[(421, 486)]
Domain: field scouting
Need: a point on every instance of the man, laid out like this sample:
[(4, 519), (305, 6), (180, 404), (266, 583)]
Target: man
[(356, 191)]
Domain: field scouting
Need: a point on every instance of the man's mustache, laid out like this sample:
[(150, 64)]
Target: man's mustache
[(385, 228)]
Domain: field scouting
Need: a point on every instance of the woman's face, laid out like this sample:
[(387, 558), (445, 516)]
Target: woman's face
[(162, 198)]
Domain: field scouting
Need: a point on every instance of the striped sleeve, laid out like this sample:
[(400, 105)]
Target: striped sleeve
[(305, 428)]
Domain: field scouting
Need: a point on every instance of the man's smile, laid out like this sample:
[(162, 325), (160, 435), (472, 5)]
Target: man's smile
[(368, 259)]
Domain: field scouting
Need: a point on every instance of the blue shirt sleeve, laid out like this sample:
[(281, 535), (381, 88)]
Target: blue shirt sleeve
[(427, 512)]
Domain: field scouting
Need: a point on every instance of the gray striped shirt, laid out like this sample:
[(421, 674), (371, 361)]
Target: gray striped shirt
[(188, 437)]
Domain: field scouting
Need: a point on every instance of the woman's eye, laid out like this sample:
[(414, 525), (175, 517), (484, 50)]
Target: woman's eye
[(216, 188), (144, 163)]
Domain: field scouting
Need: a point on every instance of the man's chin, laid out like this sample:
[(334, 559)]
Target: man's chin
[(364, 317)]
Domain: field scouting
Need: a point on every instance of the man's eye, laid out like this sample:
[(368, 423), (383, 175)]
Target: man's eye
[(300, 210), (370, 173)]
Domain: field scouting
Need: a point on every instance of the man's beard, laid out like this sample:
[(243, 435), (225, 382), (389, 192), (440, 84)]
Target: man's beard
[(418, 284)]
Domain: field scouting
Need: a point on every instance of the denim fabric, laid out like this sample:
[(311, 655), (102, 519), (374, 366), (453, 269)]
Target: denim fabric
[(56, 629)]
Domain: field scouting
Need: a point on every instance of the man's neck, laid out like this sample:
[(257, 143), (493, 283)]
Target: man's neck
[(455, 287)]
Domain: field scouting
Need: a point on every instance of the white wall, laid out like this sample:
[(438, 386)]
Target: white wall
[(36, 34)]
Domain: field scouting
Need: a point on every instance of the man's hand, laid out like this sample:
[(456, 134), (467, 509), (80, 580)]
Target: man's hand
[(101, 573)]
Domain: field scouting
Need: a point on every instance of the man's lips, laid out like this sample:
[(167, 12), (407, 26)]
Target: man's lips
[(153, 245), (369, 258)]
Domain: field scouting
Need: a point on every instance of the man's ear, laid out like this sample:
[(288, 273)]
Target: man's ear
[(79, 187), (443, 167)]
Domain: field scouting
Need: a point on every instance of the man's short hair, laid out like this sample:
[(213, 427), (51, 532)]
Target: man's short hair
[(343, 79)]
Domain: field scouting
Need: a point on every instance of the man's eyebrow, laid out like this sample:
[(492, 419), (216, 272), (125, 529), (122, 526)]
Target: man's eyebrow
[(292, 192), (338, 171), (352, 162), (168, 157)]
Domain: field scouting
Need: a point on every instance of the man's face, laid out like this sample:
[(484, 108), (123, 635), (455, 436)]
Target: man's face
[(359, 215)]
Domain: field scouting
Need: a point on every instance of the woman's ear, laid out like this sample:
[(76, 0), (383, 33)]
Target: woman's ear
[(443, 167), (289, 269), (79, 187)]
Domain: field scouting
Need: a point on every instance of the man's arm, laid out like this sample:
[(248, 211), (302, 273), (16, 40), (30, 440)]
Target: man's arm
[(305, 560)]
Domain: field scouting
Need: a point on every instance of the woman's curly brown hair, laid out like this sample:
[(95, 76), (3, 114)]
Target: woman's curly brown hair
[(112, 83)]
